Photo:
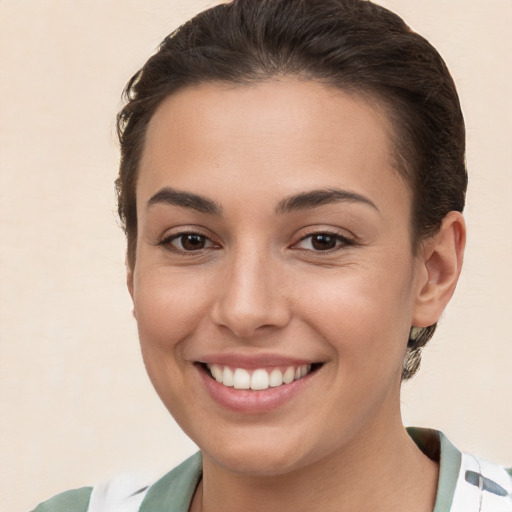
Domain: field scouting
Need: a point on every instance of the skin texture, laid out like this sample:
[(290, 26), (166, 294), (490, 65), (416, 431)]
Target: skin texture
[(259, 285)]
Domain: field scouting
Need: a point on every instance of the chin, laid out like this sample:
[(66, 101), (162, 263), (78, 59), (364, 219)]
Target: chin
[(257, 462), (257, 451)]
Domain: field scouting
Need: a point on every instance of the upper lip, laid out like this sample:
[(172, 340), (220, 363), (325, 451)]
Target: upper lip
[(254, 361)]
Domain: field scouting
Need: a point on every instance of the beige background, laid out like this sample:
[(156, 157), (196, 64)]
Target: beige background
[(75, 404)]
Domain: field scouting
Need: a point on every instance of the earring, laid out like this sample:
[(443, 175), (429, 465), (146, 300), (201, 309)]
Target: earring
[(415, 333)]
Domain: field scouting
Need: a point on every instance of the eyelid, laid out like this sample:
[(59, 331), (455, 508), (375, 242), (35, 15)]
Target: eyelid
[(166, 241), (345, 241)]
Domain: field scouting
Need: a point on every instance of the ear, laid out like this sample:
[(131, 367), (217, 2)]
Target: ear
[(129, 284), (440, 263)]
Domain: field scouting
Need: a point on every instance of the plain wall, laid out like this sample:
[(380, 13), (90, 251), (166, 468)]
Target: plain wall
[(76, 406)]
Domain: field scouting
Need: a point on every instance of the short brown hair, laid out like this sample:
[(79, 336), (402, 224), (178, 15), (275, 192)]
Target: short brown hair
[(354, 45)]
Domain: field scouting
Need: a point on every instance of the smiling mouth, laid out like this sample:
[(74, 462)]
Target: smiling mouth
[(258, 379)]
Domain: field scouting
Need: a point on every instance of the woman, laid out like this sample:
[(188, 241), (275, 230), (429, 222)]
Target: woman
[(291, 185)]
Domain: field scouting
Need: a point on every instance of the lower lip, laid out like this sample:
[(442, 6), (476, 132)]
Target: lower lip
[(248, 401)]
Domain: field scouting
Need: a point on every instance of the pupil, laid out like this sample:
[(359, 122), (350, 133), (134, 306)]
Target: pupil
[(192, 242), (323, 242)]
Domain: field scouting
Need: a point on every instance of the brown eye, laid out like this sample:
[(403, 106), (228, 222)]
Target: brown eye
[(323, 242), (192, 242), (187, 242), (318, 242)]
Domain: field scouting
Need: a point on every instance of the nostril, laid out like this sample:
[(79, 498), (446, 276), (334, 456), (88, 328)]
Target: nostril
[(246, 322)]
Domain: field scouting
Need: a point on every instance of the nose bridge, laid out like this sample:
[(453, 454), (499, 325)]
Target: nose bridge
[(249, 296)]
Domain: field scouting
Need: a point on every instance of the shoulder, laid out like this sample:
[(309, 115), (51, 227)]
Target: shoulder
[(76, 500), (124, 491), (466, 482), (173, 491)]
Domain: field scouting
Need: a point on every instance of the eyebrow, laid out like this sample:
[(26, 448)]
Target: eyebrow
[(301, 201), (315, 198), (175, 197)]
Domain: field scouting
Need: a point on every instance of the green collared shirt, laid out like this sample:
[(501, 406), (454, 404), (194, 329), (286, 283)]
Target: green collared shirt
[(174, 491)]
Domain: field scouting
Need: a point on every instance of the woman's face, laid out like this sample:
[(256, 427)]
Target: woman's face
[(274, 241)]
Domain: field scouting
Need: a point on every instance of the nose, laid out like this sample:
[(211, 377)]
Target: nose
[(250, 299)]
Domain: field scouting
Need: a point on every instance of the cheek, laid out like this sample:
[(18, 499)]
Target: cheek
[(168, 308), (364, 317), (168, 311)]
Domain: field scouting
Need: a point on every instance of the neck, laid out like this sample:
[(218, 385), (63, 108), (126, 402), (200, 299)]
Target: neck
[(385, 473)]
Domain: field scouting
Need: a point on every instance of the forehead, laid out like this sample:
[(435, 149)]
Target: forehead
[(298, 133)]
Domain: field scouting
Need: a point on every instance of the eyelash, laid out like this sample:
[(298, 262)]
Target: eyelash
[(166, 243), (339, 240)]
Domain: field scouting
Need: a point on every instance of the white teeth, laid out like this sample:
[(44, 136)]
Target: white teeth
[(289, 375), (259, 379), (276, 378), (241, 379), (217, 372), (227, 377)]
